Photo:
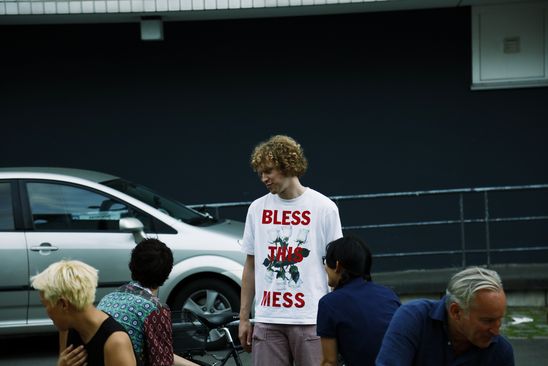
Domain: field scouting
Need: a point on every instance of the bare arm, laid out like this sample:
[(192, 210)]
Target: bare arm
[(118, 350), (180, 361), (245, 330), (63, 337), (329, 351)]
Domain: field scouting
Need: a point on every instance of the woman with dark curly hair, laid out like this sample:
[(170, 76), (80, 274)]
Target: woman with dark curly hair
[(137, 307)]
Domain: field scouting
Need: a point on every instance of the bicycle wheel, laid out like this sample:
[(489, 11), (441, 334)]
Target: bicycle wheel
[(212, 297)]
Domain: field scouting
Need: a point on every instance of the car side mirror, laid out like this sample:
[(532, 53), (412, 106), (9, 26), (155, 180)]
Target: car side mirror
[(134, 226)]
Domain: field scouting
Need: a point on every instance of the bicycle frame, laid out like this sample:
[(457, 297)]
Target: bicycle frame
[(186, 345)]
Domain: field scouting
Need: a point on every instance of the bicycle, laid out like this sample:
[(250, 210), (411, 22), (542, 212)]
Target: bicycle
[(191, 335)]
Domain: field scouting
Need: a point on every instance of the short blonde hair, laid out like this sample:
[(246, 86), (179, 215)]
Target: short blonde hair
[(280, 152), (72, 280)]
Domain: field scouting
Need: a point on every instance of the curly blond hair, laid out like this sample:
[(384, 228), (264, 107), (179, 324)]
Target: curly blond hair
[(280, 152), (74, 281)]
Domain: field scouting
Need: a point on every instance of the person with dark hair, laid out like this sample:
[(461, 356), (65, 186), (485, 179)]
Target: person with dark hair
[(151, 263), (136, 306), (353, 318), (368, 261)]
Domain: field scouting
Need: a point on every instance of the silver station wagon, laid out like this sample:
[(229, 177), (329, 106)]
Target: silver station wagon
[(49, 214)]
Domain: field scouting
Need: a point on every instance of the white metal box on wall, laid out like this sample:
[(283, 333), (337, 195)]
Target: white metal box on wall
[(510, 45)]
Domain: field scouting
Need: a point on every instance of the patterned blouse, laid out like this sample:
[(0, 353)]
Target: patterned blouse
[(147, 321)]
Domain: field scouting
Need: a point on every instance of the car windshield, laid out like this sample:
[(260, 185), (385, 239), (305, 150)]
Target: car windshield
[(168, 206)]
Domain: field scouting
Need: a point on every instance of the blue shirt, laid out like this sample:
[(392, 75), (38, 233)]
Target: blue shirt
[(417, 335), (357, 315)]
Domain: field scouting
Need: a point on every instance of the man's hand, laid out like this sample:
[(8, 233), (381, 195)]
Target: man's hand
[(245, 332), (245, 329), (71, 356)]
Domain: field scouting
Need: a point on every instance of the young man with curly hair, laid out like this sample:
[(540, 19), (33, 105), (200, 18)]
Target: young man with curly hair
[(285, 236)]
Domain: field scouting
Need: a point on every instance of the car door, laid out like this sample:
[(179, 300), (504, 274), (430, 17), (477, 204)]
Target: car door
[(14, 273), (71, 221)]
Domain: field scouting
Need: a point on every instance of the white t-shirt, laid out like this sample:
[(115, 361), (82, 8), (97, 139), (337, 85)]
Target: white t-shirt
[(288, 239)]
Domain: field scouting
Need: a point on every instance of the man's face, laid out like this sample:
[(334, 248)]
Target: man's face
[(482, 322), (274, 180), (55, 312)]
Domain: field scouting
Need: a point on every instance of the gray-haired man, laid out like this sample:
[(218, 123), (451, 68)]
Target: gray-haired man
[(460, 329)]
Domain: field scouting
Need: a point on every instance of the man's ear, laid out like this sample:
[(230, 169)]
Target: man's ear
[(63, 304), (455, 311), (338, 267)]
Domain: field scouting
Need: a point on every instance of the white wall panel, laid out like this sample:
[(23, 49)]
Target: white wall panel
[(510, 45)]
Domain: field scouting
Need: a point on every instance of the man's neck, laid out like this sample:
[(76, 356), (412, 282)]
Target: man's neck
[(459, 342), (153, 291), (87, 322), (293, 190), (461, 347)]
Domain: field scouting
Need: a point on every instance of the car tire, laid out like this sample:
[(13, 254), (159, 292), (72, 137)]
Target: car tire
[(211, 296)]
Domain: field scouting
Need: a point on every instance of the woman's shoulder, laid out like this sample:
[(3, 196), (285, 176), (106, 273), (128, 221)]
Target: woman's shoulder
[(118, 349), (111, 325), (334, 297)]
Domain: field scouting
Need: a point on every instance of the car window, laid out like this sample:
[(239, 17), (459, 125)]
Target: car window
[(168, 206), (6, 209), (64, 207), (61, 207)]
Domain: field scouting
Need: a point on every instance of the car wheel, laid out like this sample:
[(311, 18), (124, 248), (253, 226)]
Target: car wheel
[(207, 297)]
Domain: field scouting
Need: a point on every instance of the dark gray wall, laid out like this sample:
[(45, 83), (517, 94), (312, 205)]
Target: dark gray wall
[(381, 102)]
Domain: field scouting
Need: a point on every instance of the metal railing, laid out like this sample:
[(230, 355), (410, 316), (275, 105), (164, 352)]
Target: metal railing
[(487, 219)]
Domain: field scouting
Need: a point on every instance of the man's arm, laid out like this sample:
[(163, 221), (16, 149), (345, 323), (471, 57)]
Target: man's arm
[(180, 361), (400, 340), (329, 351), (63, 338), (332, 225), (245, 330)]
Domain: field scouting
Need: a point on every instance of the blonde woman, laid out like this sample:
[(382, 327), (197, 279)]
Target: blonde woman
[(88, 336)]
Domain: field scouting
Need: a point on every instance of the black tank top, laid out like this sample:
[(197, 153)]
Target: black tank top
[(95, 347)]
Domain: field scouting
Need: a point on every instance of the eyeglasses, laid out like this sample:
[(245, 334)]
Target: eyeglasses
[(323, 260)]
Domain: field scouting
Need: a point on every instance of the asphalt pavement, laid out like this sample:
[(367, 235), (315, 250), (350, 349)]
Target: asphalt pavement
[(41, 351)]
